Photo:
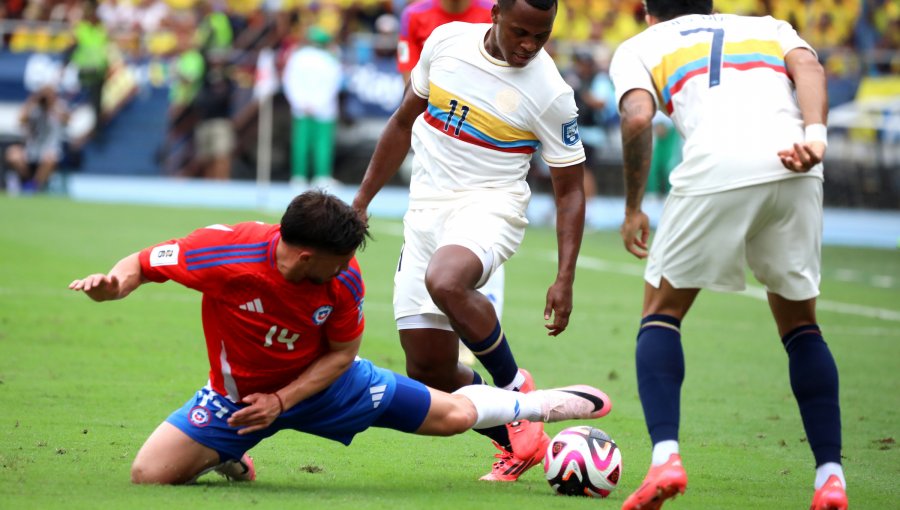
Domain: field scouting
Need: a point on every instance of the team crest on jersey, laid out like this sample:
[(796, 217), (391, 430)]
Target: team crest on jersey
[(359, 317), (321, 314), (199, 416), (570, 132)]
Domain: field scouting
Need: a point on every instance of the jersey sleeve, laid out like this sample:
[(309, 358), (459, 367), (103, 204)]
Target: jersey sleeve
[(408, 48), (557, 129), (627, 72), (789, 39), (173, 260), (347, 321)]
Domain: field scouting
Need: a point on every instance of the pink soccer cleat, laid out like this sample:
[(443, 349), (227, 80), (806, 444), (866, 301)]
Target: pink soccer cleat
[(573, 403), (238, 470)]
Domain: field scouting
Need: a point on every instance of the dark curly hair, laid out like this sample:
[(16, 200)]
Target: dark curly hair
[(317, 219)]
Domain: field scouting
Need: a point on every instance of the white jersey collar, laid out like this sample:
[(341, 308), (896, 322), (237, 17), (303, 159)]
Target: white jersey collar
[(487, 56)]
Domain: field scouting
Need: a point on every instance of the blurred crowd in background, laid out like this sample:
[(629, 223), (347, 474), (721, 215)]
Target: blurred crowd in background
[(211, 61)]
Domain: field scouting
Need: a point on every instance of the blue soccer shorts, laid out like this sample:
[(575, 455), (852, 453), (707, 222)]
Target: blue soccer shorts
[(364, 396)]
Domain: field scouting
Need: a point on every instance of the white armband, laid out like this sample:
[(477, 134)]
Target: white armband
[(816, 133)]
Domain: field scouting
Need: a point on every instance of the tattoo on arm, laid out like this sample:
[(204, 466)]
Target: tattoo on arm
[(637, 151)]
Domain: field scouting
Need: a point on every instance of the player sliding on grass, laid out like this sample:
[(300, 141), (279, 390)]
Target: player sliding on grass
[(740, 90), (282, 316)]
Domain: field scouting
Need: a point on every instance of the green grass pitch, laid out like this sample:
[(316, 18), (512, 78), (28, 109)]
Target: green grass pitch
[(83, 384)]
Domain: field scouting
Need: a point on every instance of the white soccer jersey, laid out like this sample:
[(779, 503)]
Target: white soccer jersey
[(722, 80), (485, 119)]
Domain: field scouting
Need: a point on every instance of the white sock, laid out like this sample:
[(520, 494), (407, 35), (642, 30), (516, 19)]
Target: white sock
[(826, 470), (516, 383), (663, 450), (498, 407)]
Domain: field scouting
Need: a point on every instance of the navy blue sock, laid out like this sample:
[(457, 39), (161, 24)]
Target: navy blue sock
[(660, 372), (494, 354), (814, 379), (498, 434)]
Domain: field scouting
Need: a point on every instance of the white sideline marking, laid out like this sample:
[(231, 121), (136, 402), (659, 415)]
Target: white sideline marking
[(751, 291), (833, 306), (883, 281)]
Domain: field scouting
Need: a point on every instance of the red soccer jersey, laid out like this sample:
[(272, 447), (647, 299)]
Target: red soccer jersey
[(420, 18), (261, 330)]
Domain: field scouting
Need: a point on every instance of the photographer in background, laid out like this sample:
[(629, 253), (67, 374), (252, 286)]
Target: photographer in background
[(43, 121)]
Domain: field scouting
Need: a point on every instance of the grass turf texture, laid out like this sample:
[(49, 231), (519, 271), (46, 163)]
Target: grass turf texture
[(83, 384)]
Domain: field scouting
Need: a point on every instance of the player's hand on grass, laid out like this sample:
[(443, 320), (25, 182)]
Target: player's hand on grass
[(99, 287), (262, 411), (635, 233), (802, 157), (558, 308)]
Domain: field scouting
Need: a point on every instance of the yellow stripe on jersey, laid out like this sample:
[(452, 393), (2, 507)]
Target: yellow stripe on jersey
[(478, 119), (754, 46), (674, 61)]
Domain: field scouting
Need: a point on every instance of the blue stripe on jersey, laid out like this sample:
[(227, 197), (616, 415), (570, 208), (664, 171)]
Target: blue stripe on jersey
[(679, 73), (225, 247), (442, 116), (753, 57), (350, 284), (355, 273), (224, 254), (191, 267)]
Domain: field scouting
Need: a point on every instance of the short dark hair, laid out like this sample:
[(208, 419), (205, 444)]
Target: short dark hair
[(670, 9), (317, 219), (544, 5)]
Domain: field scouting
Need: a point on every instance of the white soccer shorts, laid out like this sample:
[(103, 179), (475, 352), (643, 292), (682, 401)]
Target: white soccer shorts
[(492, 230), (702, 241)]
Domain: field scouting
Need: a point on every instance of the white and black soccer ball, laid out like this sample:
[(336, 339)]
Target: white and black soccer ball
[(583, 461)]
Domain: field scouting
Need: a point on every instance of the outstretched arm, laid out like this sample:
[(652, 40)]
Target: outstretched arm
[(568, 192), (121, 280), (264, 408), (637, 109), (391, 150), (812, 96)]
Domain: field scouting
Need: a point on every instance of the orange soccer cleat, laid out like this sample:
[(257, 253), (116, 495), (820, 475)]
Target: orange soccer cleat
[(526, 437), (509, 466), (662, 482), (830, 496), (527, 440)]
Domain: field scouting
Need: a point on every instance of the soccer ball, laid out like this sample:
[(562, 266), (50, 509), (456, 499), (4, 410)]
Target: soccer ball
[(583, 461)]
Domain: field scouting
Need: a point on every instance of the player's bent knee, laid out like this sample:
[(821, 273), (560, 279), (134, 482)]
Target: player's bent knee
[(143, 473), (462, 417), (443, 289)]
